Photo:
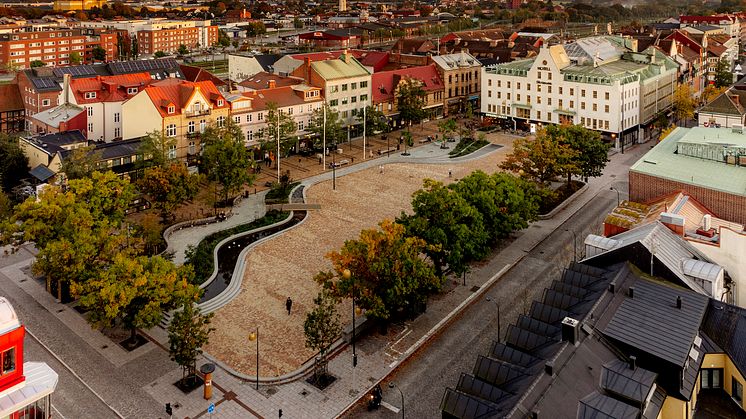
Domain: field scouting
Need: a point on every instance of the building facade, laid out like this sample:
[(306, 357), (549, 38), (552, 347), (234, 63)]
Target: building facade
[(177, 109), (461, 74), (20, 49), (595, 82), (386, 86)]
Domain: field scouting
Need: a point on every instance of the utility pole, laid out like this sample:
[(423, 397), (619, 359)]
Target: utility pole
[(364, 126), (324, 136)]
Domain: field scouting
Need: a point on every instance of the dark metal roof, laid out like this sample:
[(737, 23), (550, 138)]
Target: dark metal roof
[(650, 321), (41, 172), (725, 327), (598, 406), (462, 405)]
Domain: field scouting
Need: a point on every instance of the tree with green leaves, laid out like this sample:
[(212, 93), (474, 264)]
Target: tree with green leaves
[(387, 272), (225, 159), (159, 54), (188, 332), (322, 327), (15, 164), (80, 162), (723, 74), (75, 58), (447, 127), (507, 203), (282, 121), (77, 231), (37, 63), (98, 53), (156, 149), (335, 133), (375, 121), (591, 152), (136, 291), (410, 101), (6, 206), (169, 187), (541, 158), (452, 227), (183, 50), (297, 23)]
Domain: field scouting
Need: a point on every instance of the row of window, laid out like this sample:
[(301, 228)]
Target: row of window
[(352, 86), (171, 130), (464, 77), (345, 101)]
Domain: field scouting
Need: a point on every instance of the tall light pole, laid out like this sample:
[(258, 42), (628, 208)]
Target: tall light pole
[(346, 274), (499, 335), (324, 135), (278, 144), (617, 195), (254, 336), (392, 385), (365, 106)]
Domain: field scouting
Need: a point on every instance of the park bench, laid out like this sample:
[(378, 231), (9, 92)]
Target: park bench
[(339, 163), (387, 151)]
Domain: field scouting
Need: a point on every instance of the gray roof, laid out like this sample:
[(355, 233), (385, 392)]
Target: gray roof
[(725, 330), (620, 378), (650, 321), (598, 406), (458, 60)]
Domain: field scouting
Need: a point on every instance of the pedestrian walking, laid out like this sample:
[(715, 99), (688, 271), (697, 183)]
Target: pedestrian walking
[(288, 305), (380, 169), (450, 173)]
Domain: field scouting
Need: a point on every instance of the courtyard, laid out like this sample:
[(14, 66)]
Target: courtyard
[(284, 266)]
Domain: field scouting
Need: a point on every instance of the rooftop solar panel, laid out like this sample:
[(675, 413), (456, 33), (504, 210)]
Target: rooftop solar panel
[(471, 385), (505, 353), (547, 314), (568, 289), (462, 405), (537, 326), (524, 339), (557, 299), (44, 83), (496, 372)]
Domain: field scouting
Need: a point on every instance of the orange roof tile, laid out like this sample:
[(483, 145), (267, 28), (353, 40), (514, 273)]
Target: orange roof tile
[(178, 92), (108, 88), (282, 96)]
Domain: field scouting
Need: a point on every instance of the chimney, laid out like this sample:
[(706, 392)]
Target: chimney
[(272, 84), (612, 287), (707, 222), (66, 88), (570, 330), (678, 302), (631, 292), (308, 70), (633, 362), (549, 368), (674, 222)]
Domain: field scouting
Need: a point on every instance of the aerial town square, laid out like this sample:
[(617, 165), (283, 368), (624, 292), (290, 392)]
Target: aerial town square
[(419, 209)]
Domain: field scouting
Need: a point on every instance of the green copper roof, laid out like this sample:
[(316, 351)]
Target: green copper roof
[(339, 68), (698, 156)]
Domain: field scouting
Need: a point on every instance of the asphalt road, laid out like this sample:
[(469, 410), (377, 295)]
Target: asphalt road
[(424, 377)]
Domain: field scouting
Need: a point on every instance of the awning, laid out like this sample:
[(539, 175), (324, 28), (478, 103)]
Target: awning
[(41, 172), (474, 97)]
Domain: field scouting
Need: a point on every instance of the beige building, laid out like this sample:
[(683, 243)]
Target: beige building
[(177, 109), (461, 75)]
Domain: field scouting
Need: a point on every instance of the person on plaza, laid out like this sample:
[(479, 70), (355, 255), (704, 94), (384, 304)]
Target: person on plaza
[(450, 173), (288, 305)]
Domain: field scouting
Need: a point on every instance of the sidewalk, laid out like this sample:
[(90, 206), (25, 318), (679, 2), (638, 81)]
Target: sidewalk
[(377, 355)]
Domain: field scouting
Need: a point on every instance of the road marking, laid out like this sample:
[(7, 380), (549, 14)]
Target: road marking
[(116, 412), (58, 412), (390, 407)]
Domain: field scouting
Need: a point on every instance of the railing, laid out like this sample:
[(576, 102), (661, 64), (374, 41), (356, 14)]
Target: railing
[(201, 112)]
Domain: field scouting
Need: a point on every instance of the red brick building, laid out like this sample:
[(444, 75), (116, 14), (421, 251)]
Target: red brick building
[(53, 48), (168, 40)]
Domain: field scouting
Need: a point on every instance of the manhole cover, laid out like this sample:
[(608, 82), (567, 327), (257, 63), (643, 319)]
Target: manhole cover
[(475, 288), (61, 310), (104, 346)]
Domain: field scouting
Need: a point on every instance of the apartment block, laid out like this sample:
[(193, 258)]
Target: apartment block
[(161, 34), (53, 48)]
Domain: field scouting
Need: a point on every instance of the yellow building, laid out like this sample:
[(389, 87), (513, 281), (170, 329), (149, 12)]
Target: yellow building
[(65, 5), (178, 109)]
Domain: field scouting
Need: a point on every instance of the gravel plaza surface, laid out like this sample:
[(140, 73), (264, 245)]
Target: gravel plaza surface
[(284, 266)]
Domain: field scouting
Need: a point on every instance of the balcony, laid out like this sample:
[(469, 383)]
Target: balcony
[(195, 113)]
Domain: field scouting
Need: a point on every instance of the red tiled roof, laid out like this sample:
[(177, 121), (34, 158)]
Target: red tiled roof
[(261, 81), (10, 98), (708, 19), (108, 88), (329, 55), (178, 92), (282, 96), (375, 59), (383, 82)]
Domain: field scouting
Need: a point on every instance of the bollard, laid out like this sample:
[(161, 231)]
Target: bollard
[(207, 370)]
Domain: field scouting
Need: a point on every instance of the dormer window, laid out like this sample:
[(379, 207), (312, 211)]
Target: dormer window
[(171, 109), (220, 102), (90, 95), (131, 90)]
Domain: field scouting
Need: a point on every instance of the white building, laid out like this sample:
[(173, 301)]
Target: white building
[(346, 85), (598, 82)]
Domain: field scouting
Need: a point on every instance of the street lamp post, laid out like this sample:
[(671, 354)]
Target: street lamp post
[(334, 168), (499, 335), (346, 274), (617, 195), (392, 385), (254, 336), (574, 244)]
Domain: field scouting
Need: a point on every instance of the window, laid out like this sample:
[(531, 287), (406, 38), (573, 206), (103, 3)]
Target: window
[(197, 106), (489, 82), (171, 109), (192, 147), (190, 127), (363, 84), (90, 95), (572, 104), (203, 125), (736, 387), (572, 91), (606, 95), (117, 132), (90, 128), (131, 90), (171, 130), (45, 102), (334, 102), (560, 89), (221, 121), (344, 87), (353, 99), (237, 119), (595, 107), (363, 98), (353, 86), (711, 378), (260, 117), (344, 100), (9, 361), (90, 110), (538, 75), (220, 102), (549, 76), (116, 117), (606, 108), (582, 105), (582, 93), (300, 126), (248, 118), (333, 89), (518, 86), (172, 150)]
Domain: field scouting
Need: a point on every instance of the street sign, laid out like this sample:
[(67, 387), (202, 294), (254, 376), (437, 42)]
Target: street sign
[(211, 408)]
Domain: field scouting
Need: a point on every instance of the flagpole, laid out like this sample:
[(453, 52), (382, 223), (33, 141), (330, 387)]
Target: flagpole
[(364, 119), (324, 152)]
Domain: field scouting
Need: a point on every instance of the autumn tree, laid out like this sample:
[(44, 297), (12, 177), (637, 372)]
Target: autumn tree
[(80, 162), (14, 165), (225, 159), (446, 127), (375, 121), (710, 93), (452, 227), (683, 102), (188, 332), (506, 203), (411, 101), (723, 74), (590, 151), (169, 187), (75, 58), (135, 291), (541, 158), (387, 272), (322, 327), (282, 122), (77, 231)]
